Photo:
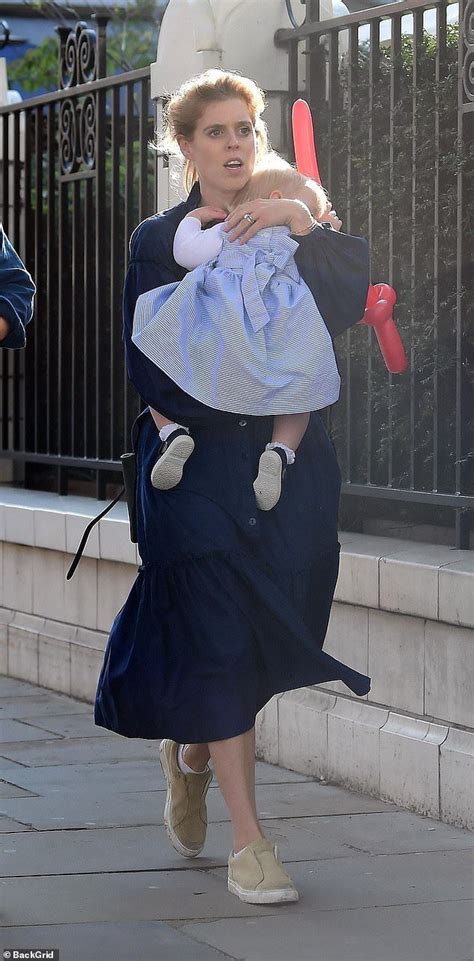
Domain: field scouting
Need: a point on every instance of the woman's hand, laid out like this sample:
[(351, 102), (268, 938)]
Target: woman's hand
[(205, 214), (267, 213), (330, 217)]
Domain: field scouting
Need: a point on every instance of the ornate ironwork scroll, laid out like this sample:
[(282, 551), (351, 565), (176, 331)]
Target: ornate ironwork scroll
[(81, 61), (78, 57), (77, 134)]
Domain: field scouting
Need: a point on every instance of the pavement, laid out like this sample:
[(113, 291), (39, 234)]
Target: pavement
[(87, 868)]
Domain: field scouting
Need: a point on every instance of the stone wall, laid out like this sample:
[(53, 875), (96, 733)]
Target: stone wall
[(403, 613)]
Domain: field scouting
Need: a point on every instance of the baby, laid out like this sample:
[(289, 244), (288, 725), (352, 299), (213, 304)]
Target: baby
[(241, 332)]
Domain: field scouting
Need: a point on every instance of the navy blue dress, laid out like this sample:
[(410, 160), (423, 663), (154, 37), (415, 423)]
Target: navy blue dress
[(231, 604)]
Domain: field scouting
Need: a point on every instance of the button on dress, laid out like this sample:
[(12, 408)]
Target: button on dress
[(230, 604)]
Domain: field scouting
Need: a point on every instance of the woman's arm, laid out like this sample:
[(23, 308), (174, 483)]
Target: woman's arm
[(335, 266), (142, 275)]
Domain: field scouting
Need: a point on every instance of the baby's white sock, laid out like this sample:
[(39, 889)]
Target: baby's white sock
[(184, 768), (169, 428), (290, 454)]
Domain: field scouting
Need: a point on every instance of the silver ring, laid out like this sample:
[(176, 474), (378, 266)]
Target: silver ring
[(249, 218)]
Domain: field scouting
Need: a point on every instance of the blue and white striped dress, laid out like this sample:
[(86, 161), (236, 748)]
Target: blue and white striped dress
[(242, 332)]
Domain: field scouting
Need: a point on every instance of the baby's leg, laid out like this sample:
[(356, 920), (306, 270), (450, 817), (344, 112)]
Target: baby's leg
[(160, 421), (177, 446), (289, 429), (288, 432)]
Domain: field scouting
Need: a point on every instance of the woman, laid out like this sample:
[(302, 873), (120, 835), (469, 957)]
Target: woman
[(231, 604), (241, 332)]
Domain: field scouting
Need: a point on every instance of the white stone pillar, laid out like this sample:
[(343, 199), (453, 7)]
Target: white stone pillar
[(235, 35)]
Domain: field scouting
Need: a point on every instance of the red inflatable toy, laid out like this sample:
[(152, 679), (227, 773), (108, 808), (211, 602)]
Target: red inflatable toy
[(303, 140), (381, 298)]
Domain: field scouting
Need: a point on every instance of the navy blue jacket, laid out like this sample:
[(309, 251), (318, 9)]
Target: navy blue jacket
[(334, 265), (17, 291)]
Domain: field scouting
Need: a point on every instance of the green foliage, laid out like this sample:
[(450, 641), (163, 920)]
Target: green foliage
[(38, 68), (131, 43), (131, 47)]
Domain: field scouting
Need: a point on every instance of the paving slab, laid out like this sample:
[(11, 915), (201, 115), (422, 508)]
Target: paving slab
[(99, 778), (122, 896), (314, 798), (97, 850), (375, 880), (73, 750), (11, 731), (6, 765), (80, 724), (60, 813), (131, 776), (31, 705), (114, 941), (199, 893), (11, 790), (379, 834), (408, 932), (86, 809), (10, 826), (87, 866), (272, 774), (281, 800), (10, 686)]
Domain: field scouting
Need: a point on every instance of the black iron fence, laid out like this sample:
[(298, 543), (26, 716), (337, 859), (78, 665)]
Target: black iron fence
[(391, 95), (394, 136), (77, 176)]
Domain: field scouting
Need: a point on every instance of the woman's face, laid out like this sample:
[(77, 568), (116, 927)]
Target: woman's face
[(223, 132)]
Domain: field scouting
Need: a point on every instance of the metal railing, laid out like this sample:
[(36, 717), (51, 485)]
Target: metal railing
[(394, 132), (394, 136), (77, 175)]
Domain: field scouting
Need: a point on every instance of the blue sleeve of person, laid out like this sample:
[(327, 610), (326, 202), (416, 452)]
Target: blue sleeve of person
[(151, 265), (17, 292), (335, 266)]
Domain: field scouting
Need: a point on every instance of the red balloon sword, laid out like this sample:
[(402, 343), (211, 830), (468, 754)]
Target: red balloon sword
[(381, 298)]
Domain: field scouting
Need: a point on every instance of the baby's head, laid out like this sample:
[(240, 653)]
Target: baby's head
[(275, 178)]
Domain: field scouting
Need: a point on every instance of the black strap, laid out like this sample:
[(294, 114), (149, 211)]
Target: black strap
[(136, 426), (87, 531)]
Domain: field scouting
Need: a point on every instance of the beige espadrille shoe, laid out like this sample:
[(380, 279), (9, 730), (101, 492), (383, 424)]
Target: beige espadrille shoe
[(185, 813), (256, 875)]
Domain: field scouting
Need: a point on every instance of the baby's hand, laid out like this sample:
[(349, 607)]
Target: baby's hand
[(205, 214)]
